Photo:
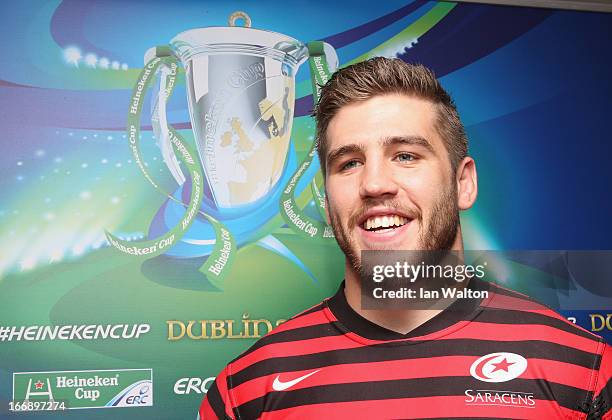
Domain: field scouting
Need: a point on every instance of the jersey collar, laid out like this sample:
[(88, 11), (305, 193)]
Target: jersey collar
[(460, 310)]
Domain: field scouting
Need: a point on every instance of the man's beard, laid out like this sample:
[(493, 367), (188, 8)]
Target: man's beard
[(439, 234)]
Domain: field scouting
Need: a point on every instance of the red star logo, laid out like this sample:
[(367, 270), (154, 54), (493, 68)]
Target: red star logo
[(39, 384), (503, 365)]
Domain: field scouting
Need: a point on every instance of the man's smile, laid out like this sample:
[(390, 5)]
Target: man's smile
[(383, 225), (378, 223)]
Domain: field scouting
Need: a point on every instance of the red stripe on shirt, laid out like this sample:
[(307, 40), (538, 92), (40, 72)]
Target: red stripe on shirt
[(221, 382), (605, 369), (523, 332), (294, 348), (517, 304), (206, 411), (500, 332), (314, 318)]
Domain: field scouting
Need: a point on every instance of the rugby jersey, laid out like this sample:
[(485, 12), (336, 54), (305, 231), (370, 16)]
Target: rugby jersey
[(503, 356)]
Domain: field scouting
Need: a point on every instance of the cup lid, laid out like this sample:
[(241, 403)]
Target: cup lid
[(238, 40)]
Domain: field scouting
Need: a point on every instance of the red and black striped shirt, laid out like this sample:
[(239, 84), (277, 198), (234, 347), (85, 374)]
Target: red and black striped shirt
[(505, 356)]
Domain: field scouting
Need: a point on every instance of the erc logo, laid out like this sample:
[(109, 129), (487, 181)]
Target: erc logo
[(498, 367)]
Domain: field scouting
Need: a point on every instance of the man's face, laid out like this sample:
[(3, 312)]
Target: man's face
[(389, 183)]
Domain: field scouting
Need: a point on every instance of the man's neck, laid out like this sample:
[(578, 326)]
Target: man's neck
[(399, 320)]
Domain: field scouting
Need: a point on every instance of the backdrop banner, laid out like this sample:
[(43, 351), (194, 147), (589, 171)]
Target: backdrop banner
[(162, 204)]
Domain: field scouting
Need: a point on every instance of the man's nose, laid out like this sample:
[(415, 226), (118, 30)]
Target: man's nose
[(377, 180)]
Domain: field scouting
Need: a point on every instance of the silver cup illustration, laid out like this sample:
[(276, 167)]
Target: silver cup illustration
[(241, 93)]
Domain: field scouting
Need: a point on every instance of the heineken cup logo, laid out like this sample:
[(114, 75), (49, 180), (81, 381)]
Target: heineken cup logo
[(84, 388)]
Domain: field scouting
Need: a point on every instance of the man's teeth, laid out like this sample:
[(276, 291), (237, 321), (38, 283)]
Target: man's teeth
[(385, 221)]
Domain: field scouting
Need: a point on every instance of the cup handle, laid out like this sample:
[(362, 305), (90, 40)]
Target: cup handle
[(159, 120), (331, 56)]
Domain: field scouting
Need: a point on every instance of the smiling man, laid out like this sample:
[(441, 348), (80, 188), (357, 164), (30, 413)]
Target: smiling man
[(394, 154)]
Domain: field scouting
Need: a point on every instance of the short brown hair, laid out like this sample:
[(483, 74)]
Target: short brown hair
[(383, 76)]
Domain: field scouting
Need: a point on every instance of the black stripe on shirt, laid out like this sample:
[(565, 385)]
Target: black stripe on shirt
[(419, 349), (216, 402), (315, 308), (508, 316), (602, 403), (297, 334)]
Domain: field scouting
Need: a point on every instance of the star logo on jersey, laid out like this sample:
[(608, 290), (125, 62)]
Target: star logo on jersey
[(279, 385), (503, 365), (498, 367)]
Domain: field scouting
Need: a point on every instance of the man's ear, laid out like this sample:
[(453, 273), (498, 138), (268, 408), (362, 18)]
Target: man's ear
[(467, 183), (327, 219)]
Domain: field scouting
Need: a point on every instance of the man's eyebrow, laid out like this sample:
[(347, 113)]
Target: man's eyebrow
[(343, 150), (336, 154), (407, 140)]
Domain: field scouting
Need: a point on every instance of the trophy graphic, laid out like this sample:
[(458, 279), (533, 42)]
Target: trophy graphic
[(241, 96), (241, 93)]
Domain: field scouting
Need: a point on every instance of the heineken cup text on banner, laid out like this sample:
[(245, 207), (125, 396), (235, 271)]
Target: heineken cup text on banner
[(241, 95)]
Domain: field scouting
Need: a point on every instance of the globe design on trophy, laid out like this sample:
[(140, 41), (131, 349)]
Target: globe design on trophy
[(247, 181), (241, 92)]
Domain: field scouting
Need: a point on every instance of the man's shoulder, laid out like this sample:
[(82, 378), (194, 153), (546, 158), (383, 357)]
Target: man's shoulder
[(536, 321), (284, 340)]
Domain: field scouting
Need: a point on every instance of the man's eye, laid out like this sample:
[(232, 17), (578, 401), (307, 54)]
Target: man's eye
[(349, 165), (404, 157)]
